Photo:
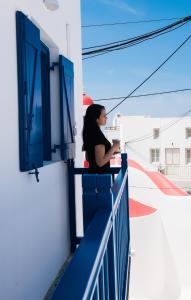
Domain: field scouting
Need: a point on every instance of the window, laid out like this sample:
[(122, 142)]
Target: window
[(172, 156), (188, 155), (35, 109), (188, 132), (156, 132), (155, 155)]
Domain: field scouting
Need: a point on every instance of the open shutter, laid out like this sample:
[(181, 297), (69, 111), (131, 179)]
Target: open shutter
[(46, 116), (29, 93), (67, 108)]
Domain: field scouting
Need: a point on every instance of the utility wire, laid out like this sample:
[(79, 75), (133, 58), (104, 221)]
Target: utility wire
[(145, 80), (160, 188), (108, 46), (127, 45), (167, 126), (129, 22), (143, 95), (130, 39), (148, 136)]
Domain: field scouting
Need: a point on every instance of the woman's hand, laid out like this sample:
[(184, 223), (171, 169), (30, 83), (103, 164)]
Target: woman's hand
[(101, 157), (116, 145)]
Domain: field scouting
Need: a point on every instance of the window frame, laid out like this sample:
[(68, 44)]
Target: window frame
[(188, 132), (155, 155), (172, 155), (186, 156), (156, 133)]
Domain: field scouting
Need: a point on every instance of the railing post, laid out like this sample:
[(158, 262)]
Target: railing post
[(124, 162), (124, 168)]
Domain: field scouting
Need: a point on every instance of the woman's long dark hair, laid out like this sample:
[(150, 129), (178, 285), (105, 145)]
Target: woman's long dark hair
[(90, 125)]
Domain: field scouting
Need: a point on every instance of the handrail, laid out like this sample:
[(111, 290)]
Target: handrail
[(99, 267), (77, 282)]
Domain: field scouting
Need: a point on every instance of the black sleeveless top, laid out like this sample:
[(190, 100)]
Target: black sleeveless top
[(97, 138)]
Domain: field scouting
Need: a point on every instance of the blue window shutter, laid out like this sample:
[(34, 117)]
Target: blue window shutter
[(46, 116), (29, 93), (67, 108)]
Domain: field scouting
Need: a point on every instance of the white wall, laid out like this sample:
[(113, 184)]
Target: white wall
[(133, 127), (171, 208), (34, 221)]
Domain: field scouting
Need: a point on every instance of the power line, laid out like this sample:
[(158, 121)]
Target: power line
[(143, 95), (148, 136), (145, 80), (160, 188), (117, 44), (127, 45), (133, 38), (129, 22), (167, 126)]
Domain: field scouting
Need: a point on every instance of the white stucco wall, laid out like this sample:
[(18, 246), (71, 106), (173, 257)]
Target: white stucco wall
[(34, 220), (133, 127)]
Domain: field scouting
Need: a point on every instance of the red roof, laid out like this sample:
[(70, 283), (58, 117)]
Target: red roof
[(138, 209), (161, 181), (87, 100)]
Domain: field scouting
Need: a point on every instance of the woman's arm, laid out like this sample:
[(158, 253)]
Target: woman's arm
[(101, 157)]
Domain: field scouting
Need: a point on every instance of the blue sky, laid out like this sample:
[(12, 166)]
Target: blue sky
[(118, 73)]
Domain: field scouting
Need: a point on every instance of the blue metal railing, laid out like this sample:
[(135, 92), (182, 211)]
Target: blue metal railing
[(99, 267)]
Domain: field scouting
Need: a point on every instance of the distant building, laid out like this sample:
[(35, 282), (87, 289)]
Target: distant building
[(161, 143)]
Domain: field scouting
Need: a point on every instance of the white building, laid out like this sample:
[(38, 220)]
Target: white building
[(34, 216), (164, 143)]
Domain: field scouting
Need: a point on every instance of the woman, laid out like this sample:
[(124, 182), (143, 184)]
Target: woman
[(98, 149)]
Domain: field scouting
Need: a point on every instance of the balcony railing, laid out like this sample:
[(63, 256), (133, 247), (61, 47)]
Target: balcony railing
[(180, 171), (113, 128), (99, 267)]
